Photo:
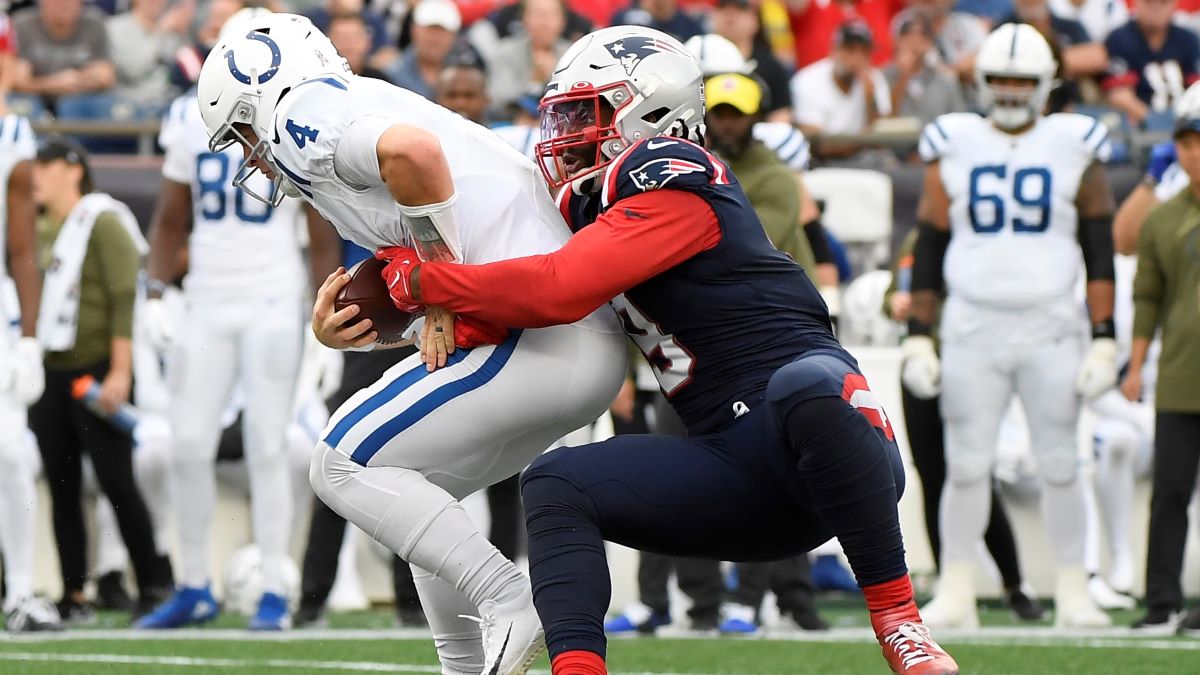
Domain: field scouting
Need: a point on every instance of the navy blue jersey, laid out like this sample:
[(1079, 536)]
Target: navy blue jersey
[(717, 326), (1159, 77)]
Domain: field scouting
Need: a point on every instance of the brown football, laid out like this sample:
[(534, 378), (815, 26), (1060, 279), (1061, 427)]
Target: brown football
[(367, 290)]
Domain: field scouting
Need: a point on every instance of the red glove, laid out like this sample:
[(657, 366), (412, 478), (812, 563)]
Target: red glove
[(401, 262), (470, 332)]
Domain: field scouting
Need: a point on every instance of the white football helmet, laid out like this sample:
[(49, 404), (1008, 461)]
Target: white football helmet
[(245, 76), (611, 89), (718, 56), (1014, 50)]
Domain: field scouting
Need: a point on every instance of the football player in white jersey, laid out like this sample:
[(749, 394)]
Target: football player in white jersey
[(21, 376), (1009, 202), (245, 321), (387, 167)]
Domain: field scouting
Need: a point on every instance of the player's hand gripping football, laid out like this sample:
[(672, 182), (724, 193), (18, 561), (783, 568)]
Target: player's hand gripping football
[(337, 329)]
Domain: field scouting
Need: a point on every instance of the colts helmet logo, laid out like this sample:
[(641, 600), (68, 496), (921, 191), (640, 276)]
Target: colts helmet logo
[(631, 50), (266, 75), (658, 172)]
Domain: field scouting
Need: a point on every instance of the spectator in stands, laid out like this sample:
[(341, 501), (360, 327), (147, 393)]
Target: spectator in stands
[(1164, 297), (523, 63), (462, 87), (956, 35), (841, 94), (1078, 54), (187, 61), (8, 60), (435, 25), (64, 51), (350, 37), (1152, 61), (148, 35), (1099, 17), (921, 86), (737, 21), (583, 16), (663, 15), (991, 11), (90, 243), (381, 50), (815, 23)]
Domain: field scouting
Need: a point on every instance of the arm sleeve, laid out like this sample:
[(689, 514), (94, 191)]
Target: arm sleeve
[(356, 158), (1147, 284), (929, 254), (639, 237), (119, 262), (814, 231)]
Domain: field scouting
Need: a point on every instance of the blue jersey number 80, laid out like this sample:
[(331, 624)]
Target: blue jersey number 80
[(1031, 189), (212, 177)]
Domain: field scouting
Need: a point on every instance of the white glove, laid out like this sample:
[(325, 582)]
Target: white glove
[(1098, 373), (922, 371), (156, 321), (28, 375)]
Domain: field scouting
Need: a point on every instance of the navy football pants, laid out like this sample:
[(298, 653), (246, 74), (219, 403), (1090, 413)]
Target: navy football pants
[(802, 466)]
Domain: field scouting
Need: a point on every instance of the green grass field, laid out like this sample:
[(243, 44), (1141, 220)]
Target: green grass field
[(366, 642)]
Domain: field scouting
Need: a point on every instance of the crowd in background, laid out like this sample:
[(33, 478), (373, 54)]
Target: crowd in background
[(843, 67)]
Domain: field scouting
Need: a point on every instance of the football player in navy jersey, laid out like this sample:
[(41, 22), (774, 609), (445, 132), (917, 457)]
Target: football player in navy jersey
[(787, 445), (1151, 61)]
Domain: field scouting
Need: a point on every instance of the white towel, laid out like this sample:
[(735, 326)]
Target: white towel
[(58, 318)]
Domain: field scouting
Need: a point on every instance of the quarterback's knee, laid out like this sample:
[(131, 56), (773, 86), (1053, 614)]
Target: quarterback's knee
[(327, 470), (1058, 466), (965, 468)]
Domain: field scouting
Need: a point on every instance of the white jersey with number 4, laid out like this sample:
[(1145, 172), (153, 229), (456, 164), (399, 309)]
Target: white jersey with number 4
[(238, 243), (502, 209), (1013, 220)]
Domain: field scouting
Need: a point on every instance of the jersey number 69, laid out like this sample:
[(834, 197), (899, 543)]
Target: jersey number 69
[(1031, 192)]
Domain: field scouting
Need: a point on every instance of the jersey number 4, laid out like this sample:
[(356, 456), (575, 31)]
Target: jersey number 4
[(300, 134), (671, 362), (1031, 190)]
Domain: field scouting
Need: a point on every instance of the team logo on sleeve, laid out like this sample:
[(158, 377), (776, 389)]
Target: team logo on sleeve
[(631, 50), (658, 172)]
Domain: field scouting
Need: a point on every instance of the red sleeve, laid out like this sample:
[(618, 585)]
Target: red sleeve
[(639, 237)]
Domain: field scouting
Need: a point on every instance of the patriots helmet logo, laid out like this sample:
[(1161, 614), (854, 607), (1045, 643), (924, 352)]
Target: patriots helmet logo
[(631, 50), (658, 172)]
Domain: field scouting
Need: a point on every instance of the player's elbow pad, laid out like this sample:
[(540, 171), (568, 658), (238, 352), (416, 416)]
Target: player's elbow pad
[(1095, 239), (928, 254), (814, 231)]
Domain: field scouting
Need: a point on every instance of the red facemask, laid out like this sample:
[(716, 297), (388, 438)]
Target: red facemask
[(575, 126)]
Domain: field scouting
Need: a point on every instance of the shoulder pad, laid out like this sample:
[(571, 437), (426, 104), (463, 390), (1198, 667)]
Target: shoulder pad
[(661, 163), (1089, 134), (940, 135), (308, 124)]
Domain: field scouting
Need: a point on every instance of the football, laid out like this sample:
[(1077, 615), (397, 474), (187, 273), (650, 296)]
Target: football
[(367, 290)]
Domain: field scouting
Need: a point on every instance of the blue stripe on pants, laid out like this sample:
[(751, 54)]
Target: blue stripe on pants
[(427, 404)]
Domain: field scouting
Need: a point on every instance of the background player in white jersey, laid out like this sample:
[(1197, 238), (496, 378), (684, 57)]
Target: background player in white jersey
[(245, 290), (21, 375), (1008, 203), (387, 167)]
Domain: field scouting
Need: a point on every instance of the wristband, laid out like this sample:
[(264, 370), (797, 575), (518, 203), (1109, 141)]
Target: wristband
[(1104, 329), (155, 288), (916, 327)]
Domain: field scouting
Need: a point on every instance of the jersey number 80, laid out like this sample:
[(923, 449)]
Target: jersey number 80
[(213, 183), (1031, 190)]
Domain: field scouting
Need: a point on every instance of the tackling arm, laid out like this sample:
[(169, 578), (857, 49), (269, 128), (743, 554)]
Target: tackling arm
[(639, 237), (22, 244)]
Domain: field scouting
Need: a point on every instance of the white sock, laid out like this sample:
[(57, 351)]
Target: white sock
[(1064, 511), (459, 641), (271, 513), (418, 521), (18, 512), (964, 516), (1114, 492), (195, 502)]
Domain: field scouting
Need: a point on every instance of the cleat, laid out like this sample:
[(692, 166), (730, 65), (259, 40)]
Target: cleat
[(186, 607), (1158, 622), (512, 635), (111, 593), (637, 617), (1190, 626), (1073, 606), (806, 618), (75, 613), (953, 606), (1106, 597), (33, 615), (310, 617), (910, 650), (737, 620), (1024, 605), (828, 574), (272, 614)]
